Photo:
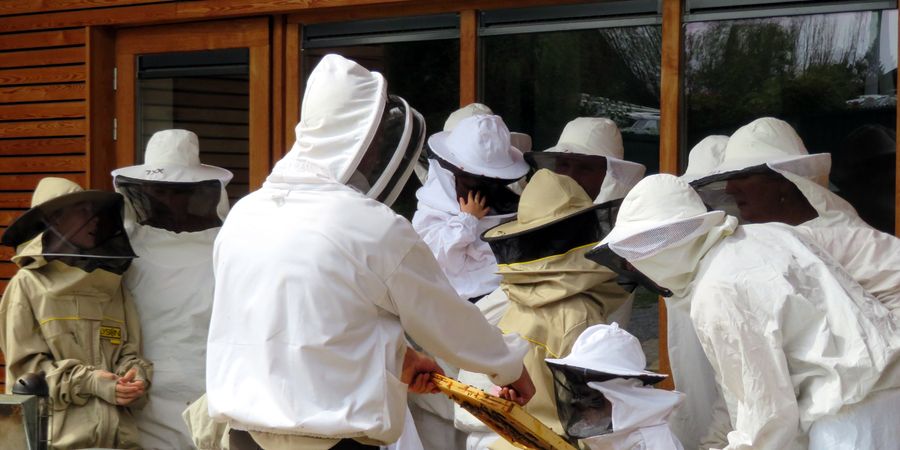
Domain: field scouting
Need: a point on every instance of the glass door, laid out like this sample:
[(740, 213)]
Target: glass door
[(210, 78)]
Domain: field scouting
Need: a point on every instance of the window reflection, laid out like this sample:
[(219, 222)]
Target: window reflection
[(540, 81), (831, 76), (425, 73)]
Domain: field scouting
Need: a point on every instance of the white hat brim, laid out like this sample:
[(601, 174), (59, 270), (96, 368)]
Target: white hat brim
[(625, 231), (175, 173), (599, 366), (517, 169)]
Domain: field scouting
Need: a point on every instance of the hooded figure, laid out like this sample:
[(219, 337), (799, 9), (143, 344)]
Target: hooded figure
[(175, 209), (771, 313), (67, 314), (554, 292), (766, 175), (318, 283), (590, 151), (474, 164), (603, 397)]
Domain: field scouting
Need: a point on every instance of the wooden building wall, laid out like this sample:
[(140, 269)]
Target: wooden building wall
[(44, 104)]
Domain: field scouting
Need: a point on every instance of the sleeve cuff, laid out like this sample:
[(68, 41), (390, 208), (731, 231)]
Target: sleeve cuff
[(103, 388), (511, 371)]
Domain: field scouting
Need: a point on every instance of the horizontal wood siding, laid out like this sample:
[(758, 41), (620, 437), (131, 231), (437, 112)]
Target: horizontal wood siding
[(42, 117)]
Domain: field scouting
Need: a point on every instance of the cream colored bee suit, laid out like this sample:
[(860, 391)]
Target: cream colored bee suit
[(551, 302), (318, 284), (765, 141), (771, 315), (172, 280), (554, 298), (584, 143), (69, 323)]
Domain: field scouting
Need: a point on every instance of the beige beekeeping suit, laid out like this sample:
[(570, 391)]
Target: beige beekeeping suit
[(552, 298), (68, 323)]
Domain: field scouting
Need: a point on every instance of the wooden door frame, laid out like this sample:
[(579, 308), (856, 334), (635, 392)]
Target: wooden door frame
[(252, 33)]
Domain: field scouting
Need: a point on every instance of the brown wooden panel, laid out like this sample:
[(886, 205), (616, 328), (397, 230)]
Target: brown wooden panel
[(19, 200), (6, 253), (53, 92), (7, 269), (41, 128), (101, 106), (293, 87), (27, 182), (55, 38), (237, 33), (42, 75), (42, 146), (307, 10), (46, 57), (55, 110), (468, 57), (7, 217), (41, 164), (32, 6), (670, 87)]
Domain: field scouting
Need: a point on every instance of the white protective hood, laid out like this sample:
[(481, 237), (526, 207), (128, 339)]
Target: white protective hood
[(307, 246), (657, 200), (639, 416), (771, 317), (172, 285), (342, 105)]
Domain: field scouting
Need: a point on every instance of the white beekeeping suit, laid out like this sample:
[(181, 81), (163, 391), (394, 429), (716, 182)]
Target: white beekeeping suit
[(763, 154), (771, 313), (475, 157), (475, 153), (318, 283), (175, 209), (603, 393)]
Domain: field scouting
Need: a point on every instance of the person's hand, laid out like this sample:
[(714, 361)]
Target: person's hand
[(475, 205), (417, 370), (519, 391), (128, 389)]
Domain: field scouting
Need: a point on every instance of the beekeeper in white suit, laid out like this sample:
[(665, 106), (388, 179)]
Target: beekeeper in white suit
[(175, 208), (767, 175), (603, 393), (317, 282), (691, 371), (771, 314)]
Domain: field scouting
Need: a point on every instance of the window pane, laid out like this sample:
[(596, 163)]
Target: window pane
[(206, 92), (540, 81), (425, 73), (831, 76)]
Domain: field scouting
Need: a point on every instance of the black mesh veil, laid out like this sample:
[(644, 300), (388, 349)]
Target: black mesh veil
[(174, 206), (499, 197), (629, 277), (583, 411), (588, 171), (584, 228)]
